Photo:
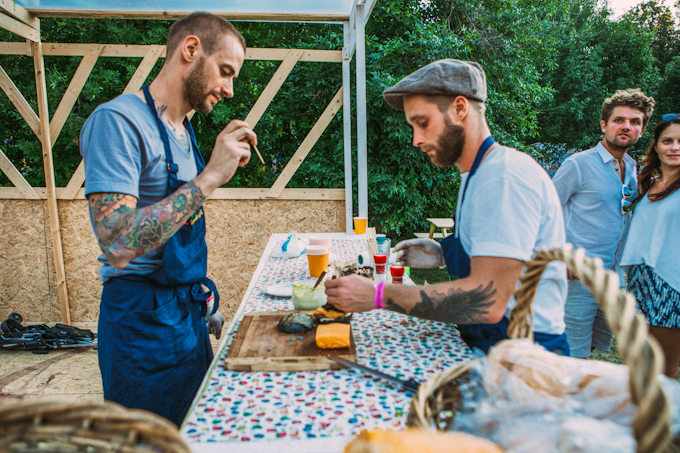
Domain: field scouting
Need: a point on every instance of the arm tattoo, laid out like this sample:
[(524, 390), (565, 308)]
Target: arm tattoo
[(456, 306), (125, 232)]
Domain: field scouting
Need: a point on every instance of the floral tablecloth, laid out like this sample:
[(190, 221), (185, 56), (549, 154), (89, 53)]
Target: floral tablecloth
[(241, 407)]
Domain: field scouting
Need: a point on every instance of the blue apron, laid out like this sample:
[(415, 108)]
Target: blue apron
[(154, 347), (483, 336)]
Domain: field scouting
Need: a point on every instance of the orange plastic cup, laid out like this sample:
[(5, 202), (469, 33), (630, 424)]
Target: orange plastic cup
[(360, 224), (326, 242), (317, 257)]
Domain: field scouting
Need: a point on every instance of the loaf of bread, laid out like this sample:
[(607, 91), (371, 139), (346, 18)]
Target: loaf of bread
[(420, 441)]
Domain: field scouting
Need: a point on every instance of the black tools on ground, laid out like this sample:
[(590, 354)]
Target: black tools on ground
[(41, 338)]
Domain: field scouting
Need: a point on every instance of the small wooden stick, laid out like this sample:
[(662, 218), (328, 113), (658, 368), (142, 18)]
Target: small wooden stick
[(258, 153)]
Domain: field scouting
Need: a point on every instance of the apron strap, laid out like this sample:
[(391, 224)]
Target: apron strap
[(197, 294), (486, 144)]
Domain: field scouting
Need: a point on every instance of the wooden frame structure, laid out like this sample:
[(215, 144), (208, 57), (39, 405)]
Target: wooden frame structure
[(25, 23)]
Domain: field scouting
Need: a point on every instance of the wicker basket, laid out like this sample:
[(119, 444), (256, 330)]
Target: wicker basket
[(64, 426), (435, 401)]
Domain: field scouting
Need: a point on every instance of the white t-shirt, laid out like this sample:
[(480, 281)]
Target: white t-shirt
[(511, 209), (653, 238)]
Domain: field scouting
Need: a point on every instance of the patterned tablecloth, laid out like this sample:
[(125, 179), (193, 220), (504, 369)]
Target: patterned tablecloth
[(240, 407)]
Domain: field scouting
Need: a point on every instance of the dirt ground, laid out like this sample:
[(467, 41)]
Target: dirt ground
[(72, 374)]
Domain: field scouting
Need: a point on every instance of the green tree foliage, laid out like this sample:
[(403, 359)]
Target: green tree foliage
[(549, 65)]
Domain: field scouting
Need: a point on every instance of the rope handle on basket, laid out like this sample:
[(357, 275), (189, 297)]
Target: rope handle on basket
[(641, 353)]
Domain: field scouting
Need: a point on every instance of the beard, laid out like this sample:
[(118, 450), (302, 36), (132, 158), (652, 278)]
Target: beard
[(620, 144), (196, 88), (449, 145)]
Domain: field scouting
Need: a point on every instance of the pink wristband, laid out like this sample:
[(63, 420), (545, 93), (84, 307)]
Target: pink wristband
[(379, 292)]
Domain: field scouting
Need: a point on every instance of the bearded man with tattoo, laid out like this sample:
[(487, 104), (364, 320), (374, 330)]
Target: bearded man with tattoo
[(146, 182), (507, 208)]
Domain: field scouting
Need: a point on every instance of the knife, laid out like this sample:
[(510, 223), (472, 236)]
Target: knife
[(410, 385)]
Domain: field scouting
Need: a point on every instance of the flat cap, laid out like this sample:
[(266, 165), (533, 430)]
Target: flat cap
[(444, 77)]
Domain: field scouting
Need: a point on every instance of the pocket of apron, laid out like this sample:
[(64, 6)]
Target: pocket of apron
[(158, 339)]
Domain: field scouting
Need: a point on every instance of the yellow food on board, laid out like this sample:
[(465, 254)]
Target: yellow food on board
[(329, 313), (333, 336), (421, 441)]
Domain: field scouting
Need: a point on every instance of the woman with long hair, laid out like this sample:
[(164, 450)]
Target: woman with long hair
[(652, 252)]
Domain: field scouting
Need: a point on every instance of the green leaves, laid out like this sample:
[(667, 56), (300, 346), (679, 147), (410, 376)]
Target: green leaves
[(549, 66)]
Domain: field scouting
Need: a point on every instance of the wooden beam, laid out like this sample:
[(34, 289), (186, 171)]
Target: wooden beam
[(12, 193), (11, 8), (73, 91), (19, 101), (17, 178), (328, 56), (272, 87), (287, 194), (168, 15), (306, 146), (74, 184), (19, 28), (41, 88), (135, 50), (144, 68)]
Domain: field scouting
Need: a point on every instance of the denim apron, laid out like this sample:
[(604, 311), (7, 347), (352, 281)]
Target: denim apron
[(154, 347), (483, 336)]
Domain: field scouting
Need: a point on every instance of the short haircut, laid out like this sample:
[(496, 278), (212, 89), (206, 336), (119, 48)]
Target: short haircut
[(632, 97), (209, 28), (443, 102)]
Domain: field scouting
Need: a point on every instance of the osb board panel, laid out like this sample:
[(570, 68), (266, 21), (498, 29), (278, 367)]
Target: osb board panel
[(238, 231), (80, 260), (26, 261)]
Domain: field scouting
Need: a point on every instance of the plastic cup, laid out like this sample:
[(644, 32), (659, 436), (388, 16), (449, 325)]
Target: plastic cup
[(317, 257), (360, 224), (397, 273), (326, 242)]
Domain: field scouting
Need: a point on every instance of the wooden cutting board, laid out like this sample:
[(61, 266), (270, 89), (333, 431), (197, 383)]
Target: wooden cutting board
[(259, 345)]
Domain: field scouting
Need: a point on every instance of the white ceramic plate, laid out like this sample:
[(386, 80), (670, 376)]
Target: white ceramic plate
[(284, 289)]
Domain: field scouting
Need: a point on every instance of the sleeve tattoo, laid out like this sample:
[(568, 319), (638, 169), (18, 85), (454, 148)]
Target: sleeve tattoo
[(455, 306), (124, 231)]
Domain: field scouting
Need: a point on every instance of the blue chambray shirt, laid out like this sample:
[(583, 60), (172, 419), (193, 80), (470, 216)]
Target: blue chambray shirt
[(589, 186)]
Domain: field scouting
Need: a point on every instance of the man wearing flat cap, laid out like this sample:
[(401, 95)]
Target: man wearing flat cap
[(507, 208)]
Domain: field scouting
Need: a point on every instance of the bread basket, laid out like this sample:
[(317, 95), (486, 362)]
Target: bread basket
[(65, 426), (434, 404)]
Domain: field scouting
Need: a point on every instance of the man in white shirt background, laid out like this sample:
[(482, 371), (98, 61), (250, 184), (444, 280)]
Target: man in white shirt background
[(595, 188)]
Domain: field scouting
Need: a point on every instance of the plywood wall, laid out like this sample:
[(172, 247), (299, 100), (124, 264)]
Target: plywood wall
[(238, 231)]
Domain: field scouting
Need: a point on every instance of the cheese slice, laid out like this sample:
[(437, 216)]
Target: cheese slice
[(333, 336), (330, 313)]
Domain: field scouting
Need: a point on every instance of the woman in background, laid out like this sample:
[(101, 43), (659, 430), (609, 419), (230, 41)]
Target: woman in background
[(652, 251)]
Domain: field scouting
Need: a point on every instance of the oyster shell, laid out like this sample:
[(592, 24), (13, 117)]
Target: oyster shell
[(296, 323)]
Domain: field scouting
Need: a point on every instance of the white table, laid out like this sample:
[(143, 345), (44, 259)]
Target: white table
[(318, 411)]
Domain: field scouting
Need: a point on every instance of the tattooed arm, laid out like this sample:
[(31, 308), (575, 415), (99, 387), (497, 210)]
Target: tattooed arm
[(481, 298), (125, 232)]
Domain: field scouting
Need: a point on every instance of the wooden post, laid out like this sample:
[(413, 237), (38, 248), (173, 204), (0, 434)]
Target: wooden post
[(43, 113)]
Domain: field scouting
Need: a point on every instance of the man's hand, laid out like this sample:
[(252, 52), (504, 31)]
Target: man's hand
[(570, 275), (231, 151), (215, 323), (351, 293), (419, 253)]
